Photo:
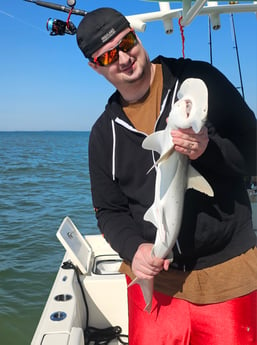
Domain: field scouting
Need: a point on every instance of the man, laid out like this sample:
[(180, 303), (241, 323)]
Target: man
[(208, 294)]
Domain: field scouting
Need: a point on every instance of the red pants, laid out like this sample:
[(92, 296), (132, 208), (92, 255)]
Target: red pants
[(177, 322)]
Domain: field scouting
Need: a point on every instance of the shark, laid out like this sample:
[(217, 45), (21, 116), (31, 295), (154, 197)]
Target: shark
[(174, 174)]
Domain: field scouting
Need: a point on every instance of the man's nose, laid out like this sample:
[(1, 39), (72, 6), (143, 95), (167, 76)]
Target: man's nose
[(123, 57)]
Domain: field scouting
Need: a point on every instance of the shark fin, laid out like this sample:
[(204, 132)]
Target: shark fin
[(150, 216), (154, 141), (147, 290), (198, 182)]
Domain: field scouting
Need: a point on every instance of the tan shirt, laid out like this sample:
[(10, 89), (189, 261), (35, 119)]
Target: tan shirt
[(143, 114), (219, 283), (233, 278)]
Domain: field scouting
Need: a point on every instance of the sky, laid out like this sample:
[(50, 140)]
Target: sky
[(46, 83)]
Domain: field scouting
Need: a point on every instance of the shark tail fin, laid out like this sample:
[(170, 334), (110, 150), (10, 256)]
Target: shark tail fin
[(147, 290)]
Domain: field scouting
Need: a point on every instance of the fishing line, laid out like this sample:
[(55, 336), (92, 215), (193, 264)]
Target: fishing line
[(6, 14), (22, 21), (234, 38)]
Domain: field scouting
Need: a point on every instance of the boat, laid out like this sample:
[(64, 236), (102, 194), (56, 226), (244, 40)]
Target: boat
[(88, 300)]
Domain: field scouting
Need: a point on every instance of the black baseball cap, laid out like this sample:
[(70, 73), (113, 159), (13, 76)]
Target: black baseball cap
[(98, 27)]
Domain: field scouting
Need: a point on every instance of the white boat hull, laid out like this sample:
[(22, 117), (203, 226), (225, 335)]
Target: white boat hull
[(65, 317)]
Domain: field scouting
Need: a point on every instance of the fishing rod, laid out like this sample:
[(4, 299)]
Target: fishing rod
[(57, 7), (58, 26), (237, 55)]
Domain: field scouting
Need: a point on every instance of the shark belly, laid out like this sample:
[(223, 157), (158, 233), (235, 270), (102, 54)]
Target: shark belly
[(167, 209)]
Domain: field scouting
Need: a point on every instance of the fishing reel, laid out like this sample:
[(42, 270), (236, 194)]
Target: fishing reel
[(60, 27)]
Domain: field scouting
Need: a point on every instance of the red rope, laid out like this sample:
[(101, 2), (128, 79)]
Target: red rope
[(68, 19), (182, 36)]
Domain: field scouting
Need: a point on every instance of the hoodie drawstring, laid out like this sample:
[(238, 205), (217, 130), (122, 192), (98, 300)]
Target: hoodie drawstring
[(113, 150)]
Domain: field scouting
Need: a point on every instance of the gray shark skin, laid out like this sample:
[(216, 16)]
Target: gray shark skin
[(174, 174)]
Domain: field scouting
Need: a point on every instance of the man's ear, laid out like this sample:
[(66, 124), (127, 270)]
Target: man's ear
[(93, 65)]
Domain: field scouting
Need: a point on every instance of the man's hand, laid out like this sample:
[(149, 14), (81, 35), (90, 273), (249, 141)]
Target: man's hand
[(189, 143), (145, 265)]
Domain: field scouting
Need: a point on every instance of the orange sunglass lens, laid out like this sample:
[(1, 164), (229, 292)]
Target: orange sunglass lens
[(127, 43)]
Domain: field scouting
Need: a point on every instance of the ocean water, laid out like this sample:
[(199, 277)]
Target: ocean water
[(43, 178)]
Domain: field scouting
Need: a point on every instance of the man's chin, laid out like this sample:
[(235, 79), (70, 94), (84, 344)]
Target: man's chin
[(133, 76)]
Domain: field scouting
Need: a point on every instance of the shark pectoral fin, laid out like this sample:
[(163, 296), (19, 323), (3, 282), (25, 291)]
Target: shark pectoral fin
[(154, 141), (150, 216), (198, 182), (147, 290)]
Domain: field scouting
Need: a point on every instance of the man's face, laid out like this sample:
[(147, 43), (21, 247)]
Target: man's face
[(130, 66)]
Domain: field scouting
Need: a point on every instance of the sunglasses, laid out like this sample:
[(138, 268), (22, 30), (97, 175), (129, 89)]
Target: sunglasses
[(112, 55)]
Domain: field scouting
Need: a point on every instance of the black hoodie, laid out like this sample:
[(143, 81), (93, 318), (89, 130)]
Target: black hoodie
[(213, 230)]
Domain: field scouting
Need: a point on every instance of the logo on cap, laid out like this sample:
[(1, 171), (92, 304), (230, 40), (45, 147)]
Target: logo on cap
[(107, 36)]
